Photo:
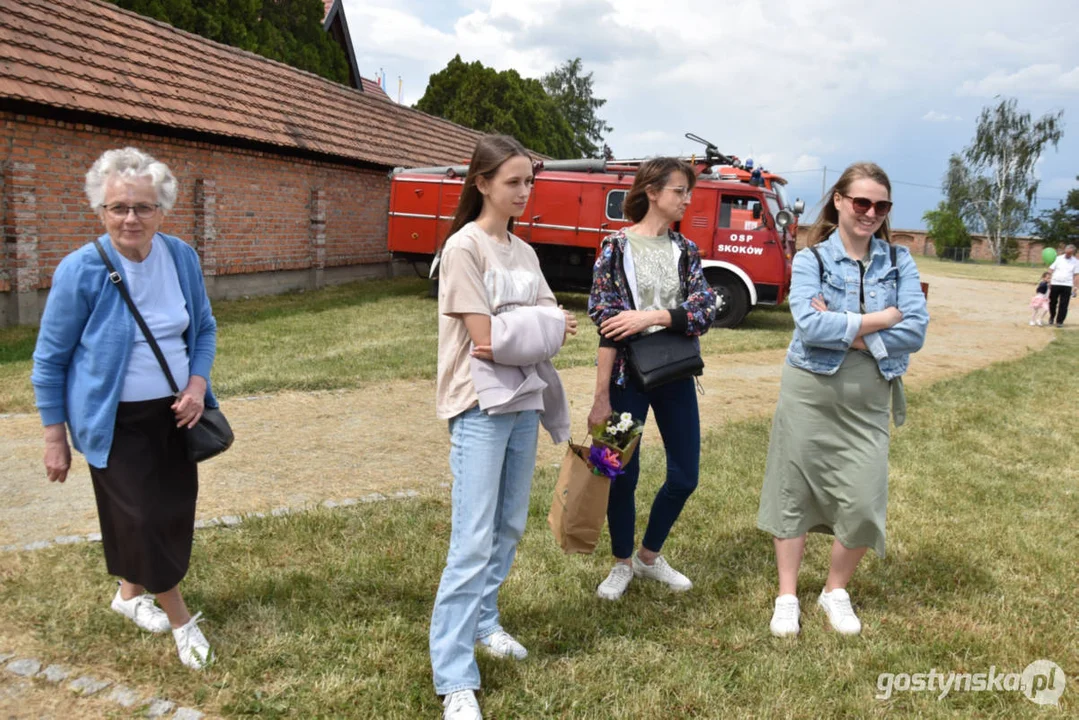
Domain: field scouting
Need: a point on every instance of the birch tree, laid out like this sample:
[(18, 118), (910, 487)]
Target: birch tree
[(992, 184)]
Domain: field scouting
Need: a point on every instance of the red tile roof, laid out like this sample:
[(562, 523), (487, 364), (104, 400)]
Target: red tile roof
[(373, 88), (90, 56)]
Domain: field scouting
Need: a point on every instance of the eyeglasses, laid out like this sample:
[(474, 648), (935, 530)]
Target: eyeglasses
[(142, 210), (861, 205), (680, 191)]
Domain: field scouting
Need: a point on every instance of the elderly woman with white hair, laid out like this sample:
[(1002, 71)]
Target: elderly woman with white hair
[(96, 375)]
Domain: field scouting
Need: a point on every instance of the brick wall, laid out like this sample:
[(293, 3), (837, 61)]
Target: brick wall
[(920, 243), (244, 211)]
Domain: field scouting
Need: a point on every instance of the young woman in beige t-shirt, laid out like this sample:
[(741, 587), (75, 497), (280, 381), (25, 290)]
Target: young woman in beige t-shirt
[(483, 270)]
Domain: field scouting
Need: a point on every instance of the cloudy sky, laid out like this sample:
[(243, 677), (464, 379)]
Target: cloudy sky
[(801, 85)]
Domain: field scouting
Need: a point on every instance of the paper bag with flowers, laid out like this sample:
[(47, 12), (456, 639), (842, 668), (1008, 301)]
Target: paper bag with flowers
[(613, 444)]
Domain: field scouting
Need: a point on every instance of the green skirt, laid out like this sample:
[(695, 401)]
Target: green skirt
[(827, 468)]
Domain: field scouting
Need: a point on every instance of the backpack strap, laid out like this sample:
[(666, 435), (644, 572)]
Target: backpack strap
[(820, 262), (892, 252)]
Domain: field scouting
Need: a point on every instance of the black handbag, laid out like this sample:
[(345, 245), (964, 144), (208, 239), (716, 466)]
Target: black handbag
[(212, 434), (663, 356)]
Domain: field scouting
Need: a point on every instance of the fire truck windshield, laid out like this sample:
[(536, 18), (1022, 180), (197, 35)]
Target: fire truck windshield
[(773, 204), (781, 192)]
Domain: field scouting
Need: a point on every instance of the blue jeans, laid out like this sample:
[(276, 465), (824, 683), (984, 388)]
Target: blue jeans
[(675, 408), (492, 458)]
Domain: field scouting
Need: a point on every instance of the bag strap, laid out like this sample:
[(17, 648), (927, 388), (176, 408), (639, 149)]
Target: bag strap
[(115, 279), (625, 278)]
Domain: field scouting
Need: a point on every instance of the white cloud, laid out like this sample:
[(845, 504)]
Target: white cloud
[(807, 162), (1039, 79), (650, 137), (796, 84), (934, 116)]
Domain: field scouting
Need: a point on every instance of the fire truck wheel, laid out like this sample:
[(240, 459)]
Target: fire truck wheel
[(732, 300)]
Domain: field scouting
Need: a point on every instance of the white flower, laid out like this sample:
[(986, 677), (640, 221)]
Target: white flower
[(626, 417)]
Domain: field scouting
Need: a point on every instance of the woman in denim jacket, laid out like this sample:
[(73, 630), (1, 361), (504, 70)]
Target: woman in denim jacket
[(858, 312), (649, 267)]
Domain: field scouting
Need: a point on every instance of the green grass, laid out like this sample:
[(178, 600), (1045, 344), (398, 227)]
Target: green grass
[(325, 614), (16, 349), (350, 335), (1026, 274)]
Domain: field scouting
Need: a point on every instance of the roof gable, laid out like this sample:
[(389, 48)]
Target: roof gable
[(91, 56)]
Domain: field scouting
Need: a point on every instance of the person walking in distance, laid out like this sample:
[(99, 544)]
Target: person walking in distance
[(1063, 286)]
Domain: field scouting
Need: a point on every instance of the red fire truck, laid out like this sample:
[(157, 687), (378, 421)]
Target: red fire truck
[(740, 219)]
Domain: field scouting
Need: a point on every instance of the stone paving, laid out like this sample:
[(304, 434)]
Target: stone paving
[(85, 686)]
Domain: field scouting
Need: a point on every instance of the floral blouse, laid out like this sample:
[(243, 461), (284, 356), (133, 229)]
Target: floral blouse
[(611, 293)]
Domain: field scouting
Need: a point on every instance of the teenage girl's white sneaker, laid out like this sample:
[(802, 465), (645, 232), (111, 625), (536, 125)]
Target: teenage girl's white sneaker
[(191, 645), (501, 644), (661, 571), (616, 583), (142, 611), (461, 705), (840, 613), (785, 616)]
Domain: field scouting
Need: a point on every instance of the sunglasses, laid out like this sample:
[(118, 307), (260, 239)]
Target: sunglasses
[(861, 205)]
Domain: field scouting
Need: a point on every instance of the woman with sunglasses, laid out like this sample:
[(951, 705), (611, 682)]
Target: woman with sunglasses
[(859, 313)]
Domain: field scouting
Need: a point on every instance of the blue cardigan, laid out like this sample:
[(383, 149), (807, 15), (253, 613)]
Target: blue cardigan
[(86, 337)]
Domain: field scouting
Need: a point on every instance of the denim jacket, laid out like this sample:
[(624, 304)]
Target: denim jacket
[(821, 339), (612, 292)]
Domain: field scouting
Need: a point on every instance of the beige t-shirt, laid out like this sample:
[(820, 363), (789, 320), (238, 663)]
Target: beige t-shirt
[(478, 274)]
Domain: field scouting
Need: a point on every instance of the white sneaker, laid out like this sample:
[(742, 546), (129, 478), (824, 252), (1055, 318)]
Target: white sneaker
[(616, 583), (1033, 323), (840, 613), (785, 616), (662, 572), (191, 645), (142, 611), (461, 705), (501, 644)]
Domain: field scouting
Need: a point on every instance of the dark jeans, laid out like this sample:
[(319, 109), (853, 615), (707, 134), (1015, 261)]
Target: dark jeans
[(1059, 297), (675, 408)]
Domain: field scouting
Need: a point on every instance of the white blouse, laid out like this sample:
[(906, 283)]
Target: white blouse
[(155, 288)]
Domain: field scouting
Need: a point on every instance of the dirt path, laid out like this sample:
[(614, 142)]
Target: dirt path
[(303, 448)]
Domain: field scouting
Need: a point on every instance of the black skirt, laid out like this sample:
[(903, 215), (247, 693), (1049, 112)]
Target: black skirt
[(146, 497)]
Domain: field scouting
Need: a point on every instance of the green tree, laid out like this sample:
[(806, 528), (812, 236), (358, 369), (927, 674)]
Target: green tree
[(289, 31), (572, 92), (992, 183), (947, 230), (1060, 226), (490, 101)]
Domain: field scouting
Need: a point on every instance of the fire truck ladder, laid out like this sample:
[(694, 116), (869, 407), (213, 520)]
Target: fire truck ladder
[(712, 156)]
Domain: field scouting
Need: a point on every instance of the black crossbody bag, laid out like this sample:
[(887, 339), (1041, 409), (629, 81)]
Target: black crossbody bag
[(663, 356), (212, 434)]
